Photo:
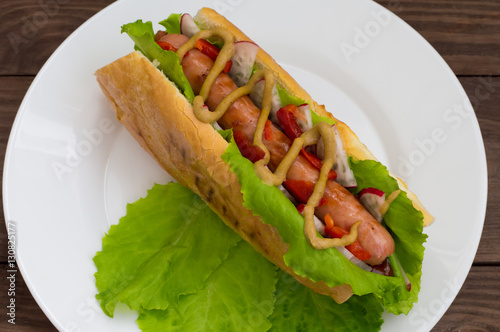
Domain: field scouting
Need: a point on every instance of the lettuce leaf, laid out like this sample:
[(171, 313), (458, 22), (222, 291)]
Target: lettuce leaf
[(287, 99), (152, 256), (296, 305), (318, 118), (404, 222), (144, 38), (172, 24), (242, 292), (226, 134), (238, 296), (274, 208)]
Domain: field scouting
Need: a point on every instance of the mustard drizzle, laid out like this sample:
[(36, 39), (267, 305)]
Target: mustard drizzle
[(309, 137), (385, 206)]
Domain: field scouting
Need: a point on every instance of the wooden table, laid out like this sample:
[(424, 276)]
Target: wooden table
[(465, 32)]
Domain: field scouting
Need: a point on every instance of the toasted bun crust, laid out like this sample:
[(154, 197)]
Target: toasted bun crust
[(160, 118)]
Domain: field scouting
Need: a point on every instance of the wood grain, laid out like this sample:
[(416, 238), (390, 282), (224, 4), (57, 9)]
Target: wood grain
[(486, 108), (29, 316), (476, 308), (32, 30), (465, 32)]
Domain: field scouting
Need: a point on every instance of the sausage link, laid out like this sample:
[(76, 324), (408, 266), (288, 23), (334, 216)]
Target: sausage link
[(243, 115)]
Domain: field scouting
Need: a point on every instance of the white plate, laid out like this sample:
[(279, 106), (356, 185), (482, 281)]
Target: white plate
[(70, 168)]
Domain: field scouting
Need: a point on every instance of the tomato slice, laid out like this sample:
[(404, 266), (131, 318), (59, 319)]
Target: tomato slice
[(247, 149)]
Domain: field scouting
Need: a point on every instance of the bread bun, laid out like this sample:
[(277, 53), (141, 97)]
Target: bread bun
[(161, 119)]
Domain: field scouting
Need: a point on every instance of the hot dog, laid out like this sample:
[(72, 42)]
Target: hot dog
[(243, 115), (161, 117)]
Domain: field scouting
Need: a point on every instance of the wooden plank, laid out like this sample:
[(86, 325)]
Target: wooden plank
[(33, 29), (28, 315), (12, 91), (484, 93), (476, 307), (466, 33)]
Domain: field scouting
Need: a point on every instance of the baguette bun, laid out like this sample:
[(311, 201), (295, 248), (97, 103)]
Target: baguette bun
[(161, 119)]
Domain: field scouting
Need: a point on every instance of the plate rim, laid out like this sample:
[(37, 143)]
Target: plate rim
[(22, 111)]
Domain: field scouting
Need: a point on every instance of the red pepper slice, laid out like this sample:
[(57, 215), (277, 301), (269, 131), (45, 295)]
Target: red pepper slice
[(355, 248), (228, 66), (212, 52), (328, 222), (207, 48), (166, 46), (288, 121), (268, 131), (247, 149), (317, 163), (302, 190)]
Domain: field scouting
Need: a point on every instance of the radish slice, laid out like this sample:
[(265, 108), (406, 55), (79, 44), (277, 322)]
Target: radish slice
[(287, 194), (245, 53), (216, 126), (345, 176), (258, 93), (188, 26), (372, 199), (403, 273), (304, 119), (320, 227)]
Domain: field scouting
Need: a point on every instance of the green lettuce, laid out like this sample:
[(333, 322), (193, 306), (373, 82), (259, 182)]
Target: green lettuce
[(287, 99), (275, 209), (318, 118), (172, 24), (296, 305), (175, 262), (404, 222), (168, 62), (227, 134), (238, 296), (151, 257)]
